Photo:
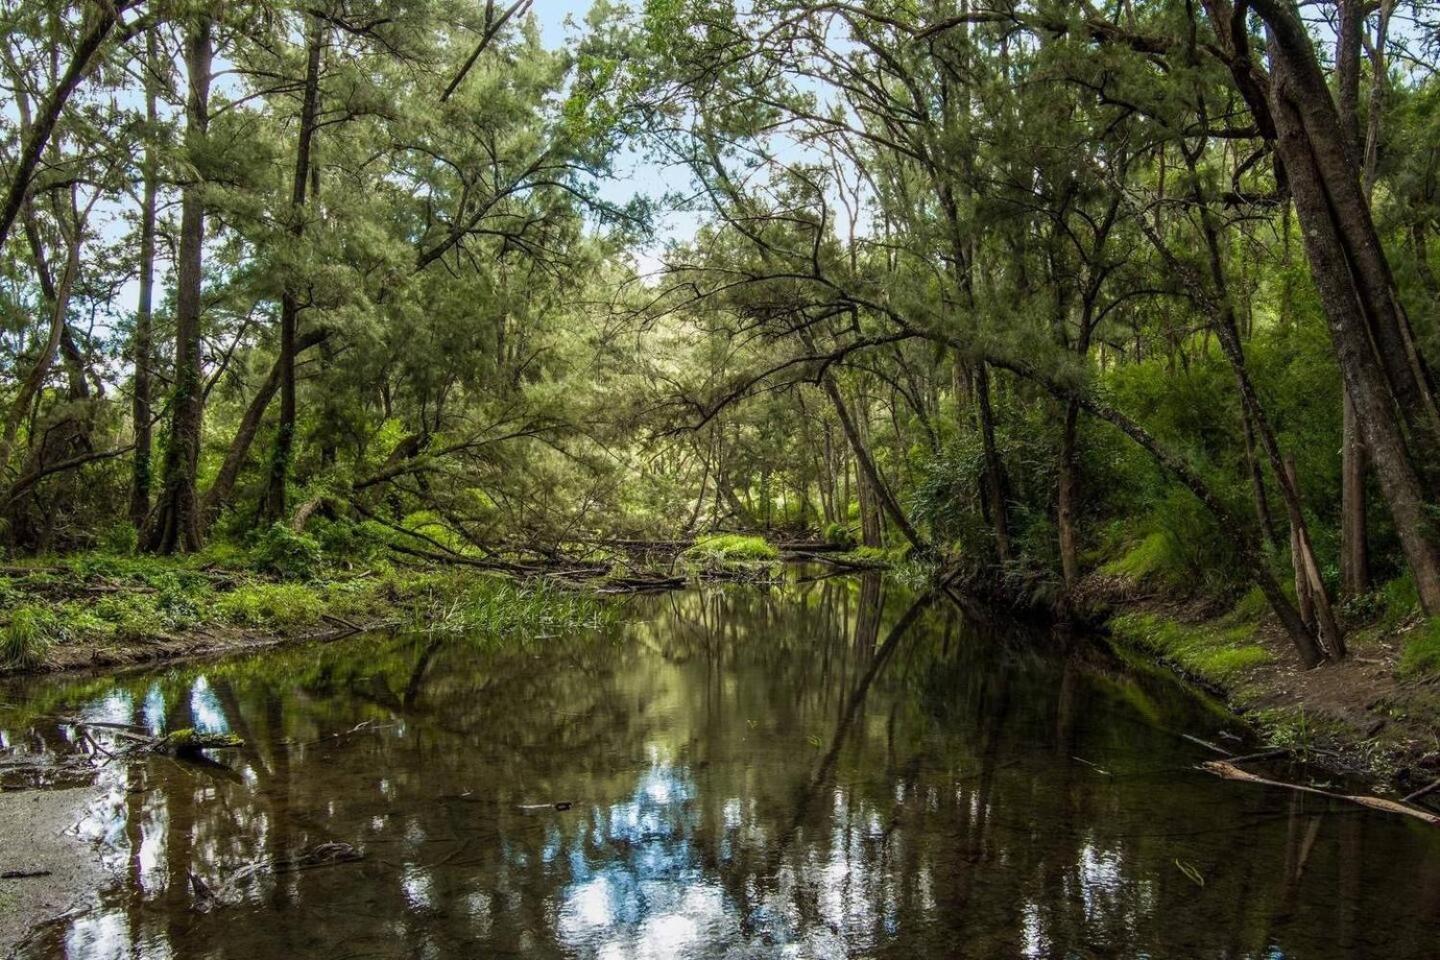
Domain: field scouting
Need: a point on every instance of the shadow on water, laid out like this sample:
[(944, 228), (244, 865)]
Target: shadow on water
[(834, 768)]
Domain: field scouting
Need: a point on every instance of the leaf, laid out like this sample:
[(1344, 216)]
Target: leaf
[(1189, 870)]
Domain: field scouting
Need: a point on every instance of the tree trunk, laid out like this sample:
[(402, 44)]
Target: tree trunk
[(1067, 497), (220, 492), (1257, 481), (1354, 533), (870, 474), (995, 492), (274, 505), (1365, 381), (30, 387), (174, 526), (143, 348), (1318, 140)]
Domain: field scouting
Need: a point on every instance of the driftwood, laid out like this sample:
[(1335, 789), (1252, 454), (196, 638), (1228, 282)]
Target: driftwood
[(1228, 771), (1422, 792)]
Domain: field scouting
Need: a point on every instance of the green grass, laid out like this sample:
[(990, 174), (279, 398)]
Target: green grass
[(271, 605), (29, 634), (1152, 557), (1215, 654), (467, 603), (731, 548), (1420, 657)]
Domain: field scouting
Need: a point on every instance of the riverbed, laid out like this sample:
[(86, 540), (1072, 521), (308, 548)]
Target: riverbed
[(825, 769)]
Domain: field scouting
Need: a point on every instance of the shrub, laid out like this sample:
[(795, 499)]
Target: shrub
[(285, 553), (349, 544), (120, 538)]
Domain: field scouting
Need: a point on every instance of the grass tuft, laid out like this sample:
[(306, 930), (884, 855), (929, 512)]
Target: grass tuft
[(731, 548), (29, 634)]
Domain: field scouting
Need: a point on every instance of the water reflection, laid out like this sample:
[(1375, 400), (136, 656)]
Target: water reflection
[(828, 770)]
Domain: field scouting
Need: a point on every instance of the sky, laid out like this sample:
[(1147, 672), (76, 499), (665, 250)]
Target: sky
[(635, 175)]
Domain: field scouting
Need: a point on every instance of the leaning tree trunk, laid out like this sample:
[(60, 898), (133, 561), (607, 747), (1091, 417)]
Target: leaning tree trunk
[(223, 488), (1354, 526), (174, 525), (1365, 381), (1319, 134), (59, 303), (38, 134)]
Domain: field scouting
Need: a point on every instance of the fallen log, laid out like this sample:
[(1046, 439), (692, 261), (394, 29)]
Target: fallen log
[(1228, 771)]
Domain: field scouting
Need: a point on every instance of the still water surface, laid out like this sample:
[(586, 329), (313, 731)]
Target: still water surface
[(820, 771)]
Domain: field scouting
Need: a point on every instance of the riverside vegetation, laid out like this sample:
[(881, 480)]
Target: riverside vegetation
[(323, 315)]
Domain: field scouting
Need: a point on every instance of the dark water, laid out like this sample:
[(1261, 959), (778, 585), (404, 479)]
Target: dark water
[(818, 772)]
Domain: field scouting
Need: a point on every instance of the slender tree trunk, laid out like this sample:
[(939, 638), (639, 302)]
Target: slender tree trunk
[(1257, 481), (1315, 596), (174, 525), (143, 349), (274, 507), (995, 492), (218, 497), (59, 304), (1067, 497), (866, 468), (1354, 533)]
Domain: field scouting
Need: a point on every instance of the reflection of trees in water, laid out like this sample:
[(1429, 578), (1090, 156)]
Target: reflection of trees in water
[(827, 768)]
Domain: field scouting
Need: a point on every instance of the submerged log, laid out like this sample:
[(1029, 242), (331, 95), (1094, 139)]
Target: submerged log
[(189, 742)]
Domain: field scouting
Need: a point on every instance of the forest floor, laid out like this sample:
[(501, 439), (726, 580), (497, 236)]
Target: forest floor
[(1370, 715)]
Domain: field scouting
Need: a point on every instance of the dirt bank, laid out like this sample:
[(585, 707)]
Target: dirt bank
[(1361, 716)]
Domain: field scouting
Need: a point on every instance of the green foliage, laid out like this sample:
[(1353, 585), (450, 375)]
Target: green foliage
[(465, 603), (27, 636), (284, 553), (120, 538), (723, 548), (348, 544), (271, 605)]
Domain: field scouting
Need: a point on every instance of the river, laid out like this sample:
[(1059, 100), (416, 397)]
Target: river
[(827, 769)]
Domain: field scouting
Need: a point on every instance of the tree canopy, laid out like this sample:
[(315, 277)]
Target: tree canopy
[(1044, 292)]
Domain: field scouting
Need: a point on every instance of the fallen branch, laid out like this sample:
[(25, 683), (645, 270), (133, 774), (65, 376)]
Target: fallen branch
[(1228, 771)]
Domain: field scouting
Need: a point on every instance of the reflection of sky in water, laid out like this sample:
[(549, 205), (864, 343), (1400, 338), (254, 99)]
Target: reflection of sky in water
[(698, 831), (647, 899)]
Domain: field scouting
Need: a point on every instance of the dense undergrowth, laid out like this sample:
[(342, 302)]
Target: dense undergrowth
[(283, 584)]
